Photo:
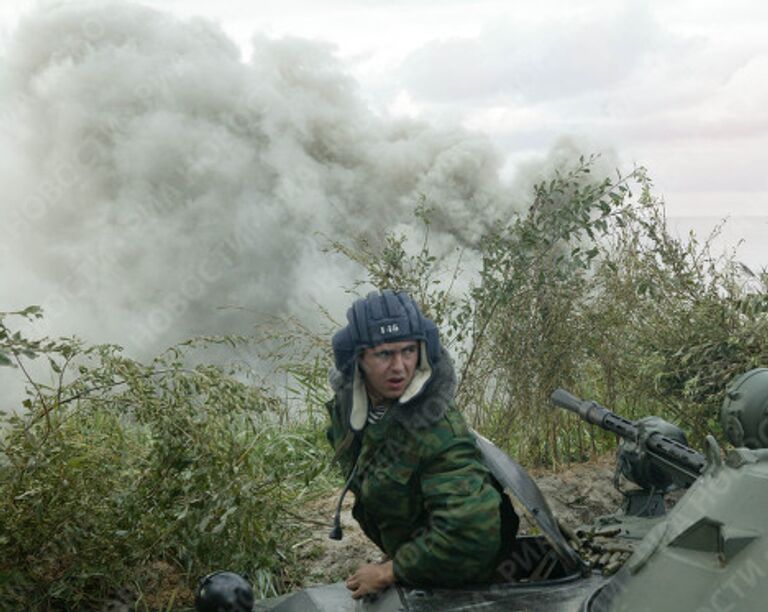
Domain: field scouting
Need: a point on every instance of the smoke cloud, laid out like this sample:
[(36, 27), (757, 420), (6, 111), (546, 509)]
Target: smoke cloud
[(152, 176)]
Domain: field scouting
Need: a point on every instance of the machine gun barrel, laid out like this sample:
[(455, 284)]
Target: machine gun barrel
[(685, 462)]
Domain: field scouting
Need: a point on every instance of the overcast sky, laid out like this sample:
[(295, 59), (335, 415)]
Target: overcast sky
[(680, 86)]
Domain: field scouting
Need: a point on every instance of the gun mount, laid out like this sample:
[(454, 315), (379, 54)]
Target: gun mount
[(675, 462)]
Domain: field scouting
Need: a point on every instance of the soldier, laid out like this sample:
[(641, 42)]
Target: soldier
[(422, 492)]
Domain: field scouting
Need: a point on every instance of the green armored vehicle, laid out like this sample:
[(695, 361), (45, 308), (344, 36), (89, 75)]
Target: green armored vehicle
[(709, 552)]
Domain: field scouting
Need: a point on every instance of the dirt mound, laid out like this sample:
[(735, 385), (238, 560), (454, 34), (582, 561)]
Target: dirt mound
[(576, 494), (323, 560), (579, 492)]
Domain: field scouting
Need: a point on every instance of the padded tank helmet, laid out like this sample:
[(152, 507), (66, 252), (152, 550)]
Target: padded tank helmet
[(224, 592), (379, 318), (744, 415)]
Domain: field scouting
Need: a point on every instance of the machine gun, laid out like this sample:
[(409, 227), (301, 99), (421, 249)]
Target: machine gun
[(655, 452)]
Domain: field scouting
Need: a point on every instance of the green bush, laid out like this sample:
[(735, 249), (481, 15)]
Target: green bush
[(120, 465)]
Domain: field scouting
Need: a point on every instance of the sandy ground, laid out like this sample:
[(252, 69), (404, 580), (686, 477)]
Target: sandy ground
[(576, 494)]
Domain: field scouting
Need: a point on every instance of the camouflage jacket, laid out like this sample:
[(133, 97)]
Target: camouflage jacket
[(422, 492)]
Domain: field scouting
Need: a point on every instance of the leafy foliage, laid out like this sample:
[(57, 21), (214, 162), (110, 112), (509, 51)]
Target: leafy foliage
[(689, 321), (122, 464)]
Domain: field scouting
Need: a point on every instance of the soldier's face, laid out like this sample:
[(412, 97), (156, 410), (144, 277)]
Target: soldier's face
[(389, 367)]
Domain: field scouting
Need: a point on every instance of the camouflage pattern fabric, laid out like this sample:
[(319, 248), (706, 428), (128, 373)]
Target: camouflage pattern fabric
[(422, 493)]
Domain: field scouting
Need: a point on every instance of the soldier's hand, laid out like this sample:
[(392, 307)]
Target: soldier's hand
[(371, 578)]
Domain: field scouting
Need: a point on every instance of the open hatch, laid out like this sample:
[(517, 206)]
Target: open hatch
[(549, 558)]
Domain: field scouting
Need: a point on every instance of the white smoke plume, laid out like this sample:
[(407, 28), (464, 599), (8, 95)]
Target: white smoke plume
[(151, 175)]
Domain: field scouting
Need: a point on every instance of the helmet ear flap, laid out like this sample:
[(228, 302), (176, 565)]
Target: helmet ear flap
[(432, 337), (762, 432), (733, 430)]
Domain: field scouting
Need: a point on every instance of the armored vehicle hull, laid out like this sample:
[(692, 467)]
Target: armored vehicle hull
[(561, 595), (714, 543)]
